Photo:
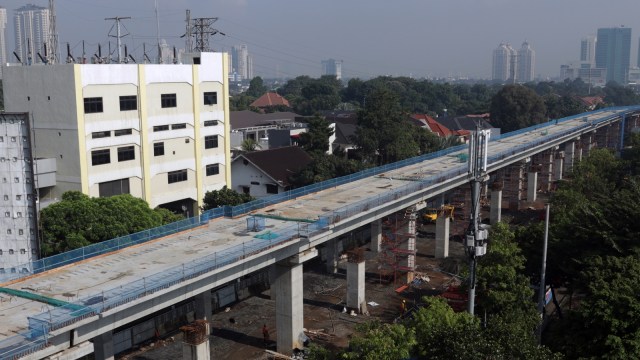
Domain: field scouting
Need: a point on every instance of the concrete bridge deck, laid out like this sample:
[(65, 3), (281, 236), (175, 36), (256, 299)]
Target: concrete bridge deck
[(87, 282)]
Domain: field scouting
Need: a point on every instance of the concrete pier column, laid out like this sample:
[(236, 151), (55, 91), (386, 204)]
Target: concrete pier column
[(203, 308), (289, 307), (355, 284), (495, 212), (569, 154), (332, 255), (195, 341), (532, 186), (103, 346), (548, 176), (557, 168), (376, 236), (442, 237)]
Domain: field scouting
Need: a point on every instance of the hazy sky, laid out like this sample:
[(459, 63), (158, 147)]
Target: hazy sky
[(372, 37)]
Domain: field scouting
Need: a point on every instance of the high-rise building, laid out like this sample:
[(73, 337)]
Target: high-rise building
[(588, 50), (241, 62), (504, 63), (18, 231), (3, 36), (332, 67), (639, 52), (613, 52), (31, 29), (156, 131), (526, 63)]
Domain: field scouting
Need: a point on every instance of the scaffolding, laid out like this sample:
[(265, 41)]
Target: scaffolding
[(398, 250)]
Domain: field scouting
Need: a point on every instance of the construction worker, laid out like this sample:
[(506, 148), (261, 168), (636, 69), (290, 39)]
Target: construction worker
[(265, 334)]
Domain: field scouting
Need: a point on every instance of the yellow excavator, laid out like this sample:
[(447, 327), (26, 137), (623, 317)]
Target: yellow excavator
[(432, 214)]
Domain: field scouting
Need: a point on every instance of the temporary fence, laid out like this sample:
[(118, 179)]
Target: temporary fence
[(40, 325)]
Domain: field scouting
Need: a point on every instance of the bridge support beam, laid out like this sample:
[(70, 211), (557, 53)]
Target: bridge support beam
[(355, 284), (495, 211), (103, 346), (289, 306), (203, 308), (558, 163), (442, 237), (376, 236), (532, 186)]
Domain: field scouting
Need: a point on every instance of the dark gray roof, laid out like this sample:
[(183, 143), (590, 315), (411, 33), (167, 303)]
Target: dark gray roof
[(344, 132), (279, 163), (464, 122), (246, 118)]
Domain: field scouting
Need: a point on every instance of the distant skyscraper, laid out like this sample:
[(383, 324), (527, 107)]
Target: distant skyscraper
[(31, 28), (3, 38), (639, 52), (588, 50), (504, 63), (332, 67), (613, 52), (526, 63), (241, 62)]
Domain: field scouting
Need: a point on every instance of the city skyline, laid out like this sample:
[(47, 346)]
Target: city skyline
[(367, 39)]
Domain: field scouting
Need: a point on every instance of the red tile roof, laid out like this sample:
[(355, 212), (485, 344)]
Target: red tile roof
[(270, 99), (433, 125)]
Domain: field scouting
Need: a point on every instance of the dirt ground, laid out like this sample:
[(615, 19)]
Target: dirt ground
[(237, 332)]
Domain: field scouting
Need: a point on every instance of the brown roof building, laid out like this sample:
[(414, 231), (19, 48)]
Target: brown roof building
[(270, 99)]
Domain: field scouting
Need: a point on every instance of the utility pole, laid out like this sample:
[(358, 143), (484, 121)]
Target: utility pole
[(475, 238), (542, 289), (189, 42), (118, 35)]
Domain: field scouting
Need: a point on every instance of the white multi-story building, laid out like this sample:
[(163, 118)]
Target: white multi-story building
[(241, 62), (332, 67), (526, 63), (588, 50), (156, 131), (18, 230), (504, 63), (31, 30)]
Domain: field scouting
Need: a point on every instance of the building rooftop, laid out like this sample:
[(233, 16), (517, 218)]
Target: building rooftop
[(270, 99), (279, 163), (246, 119)]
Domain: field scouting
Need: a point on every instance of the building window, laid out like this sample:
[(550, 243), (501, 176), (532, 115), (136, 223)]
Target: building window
[(122, 132), (100, 134), (18, 197), (178, 126), (99, 157), (211, 141), (158, 149), (213, 169), (161, 128), (210, 98), (20, 232), (92, 105), (8, 231), (126, 153), (272, 189), (168, 100), (210, 122), (6, 197), (128, 102), (177, 176), (116, 187)]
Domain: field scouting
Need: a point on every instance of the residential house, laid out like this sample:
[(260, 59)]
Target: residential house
[(270, 100)]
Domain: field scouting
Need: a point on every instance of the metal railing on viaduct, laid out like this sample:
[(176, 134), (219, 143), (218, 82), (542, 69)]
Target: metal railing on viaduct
[(36, 337)]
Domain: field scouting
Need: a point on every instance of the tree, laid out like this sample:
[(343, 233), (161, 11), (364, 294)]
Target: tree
[(79, 220), (256, 87), (316, 138), (381, 341), (224, 196), (250, 145), (516, 107)]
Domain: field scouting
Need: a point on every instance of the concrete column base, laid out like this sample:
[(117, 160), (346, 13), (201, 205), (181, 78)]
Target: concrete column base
[(289, 307), (355, 285), (442, 237), (196, 352), (495, 212)]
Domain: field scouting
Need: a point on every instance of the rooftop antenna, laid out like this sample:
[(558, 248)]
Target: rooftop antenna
[(70, 58), (53, 35), (118, 35), (144, 53)]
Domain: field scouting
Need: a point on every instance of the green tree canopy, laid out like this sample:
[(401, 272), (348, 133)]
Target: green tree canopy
[(316, 138), (256, 87), (79, 220), (516, 107), (224, 196)]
